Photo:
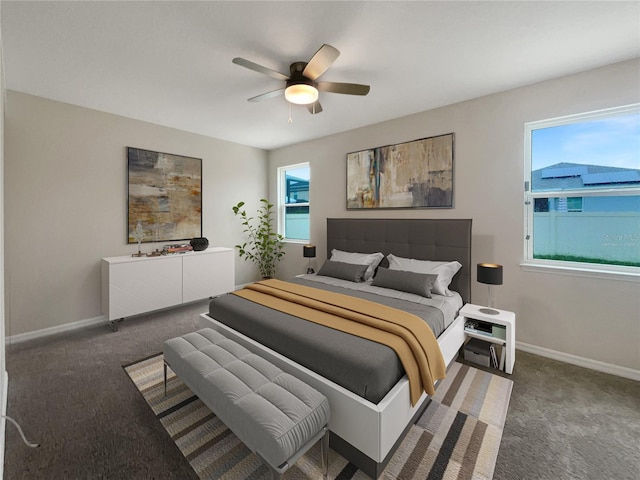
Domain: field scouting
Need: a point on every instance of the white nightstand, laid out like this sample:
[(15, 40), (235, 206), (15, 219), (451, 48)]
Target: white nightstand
[(502, 319)]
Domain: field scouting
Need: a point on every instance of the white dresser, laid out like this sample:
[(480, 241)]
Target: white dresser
[(135, 285)]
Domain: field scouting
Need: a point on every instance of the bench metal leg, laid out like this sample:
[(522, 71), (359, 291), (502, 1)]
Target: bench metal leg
[(275, 473), (165, 379), (324, 453)]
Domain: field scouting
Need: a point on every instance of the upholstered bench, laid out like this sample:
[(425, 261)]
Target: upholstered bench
[(273, 413)]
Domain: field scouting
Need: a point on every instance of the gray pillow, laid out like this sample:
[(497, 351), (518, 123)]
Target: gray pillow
[(410, 282), (345, 271)]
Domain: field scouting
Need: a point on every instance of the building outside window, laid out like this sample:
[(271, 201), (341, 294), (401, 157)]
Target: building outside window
[(293, 202), (582, 191)]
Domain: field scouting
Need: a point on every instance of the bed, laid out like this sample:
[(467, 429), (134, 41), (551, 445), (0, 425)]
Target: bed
[(368, 421)]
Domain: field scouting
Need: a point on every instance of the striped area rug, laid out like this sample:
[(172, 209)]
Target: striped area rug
[(457, 437)]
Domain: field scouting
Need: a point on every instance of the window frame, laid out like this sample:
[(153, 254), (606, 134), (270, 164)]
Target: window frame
[(282, 206), (530, 263)]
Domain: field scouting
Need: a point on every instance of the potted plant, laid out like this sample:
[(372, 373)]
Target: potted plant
[(264, 245)]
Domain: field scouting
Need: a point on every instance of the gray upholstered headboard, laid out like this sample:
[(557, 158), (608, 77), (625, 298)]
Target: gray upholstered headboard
[(422, 239)]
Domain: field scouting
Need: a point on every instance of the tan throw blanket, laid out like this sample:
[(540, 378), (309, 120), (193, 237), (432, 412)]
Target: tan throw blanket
[(408, 335)]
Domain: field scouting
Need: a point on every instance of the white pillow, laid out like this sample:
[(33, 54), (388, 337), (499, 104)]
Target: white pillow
[(371, 259), (444, 270)]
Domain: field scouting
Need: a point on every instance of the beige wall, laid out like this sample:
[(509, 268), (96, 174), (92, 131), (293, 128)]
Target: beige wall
[(594, 318), (66, 202)]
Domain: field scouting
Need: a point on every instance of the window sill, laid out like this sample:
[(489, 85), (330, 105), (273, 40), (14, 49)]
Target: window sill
[(296, 241), (629, 274)]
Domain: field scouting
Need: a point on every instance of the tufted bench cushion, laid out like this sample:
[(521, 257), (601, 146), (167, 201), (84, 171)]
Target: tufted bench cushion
[(273, 413)]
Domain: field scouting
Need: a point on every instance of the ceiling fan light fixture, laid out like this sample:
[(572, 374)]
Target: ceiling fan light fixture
[(301, 94), (302, 86)]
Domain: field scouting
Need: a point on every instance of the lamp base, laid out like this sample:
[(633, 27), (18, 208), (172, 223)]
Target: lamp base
[(489, 311), (310, 270)]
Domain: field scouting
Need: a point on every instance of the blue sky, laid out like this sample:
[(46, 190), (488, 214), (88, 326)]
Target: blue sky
[(614, 142)]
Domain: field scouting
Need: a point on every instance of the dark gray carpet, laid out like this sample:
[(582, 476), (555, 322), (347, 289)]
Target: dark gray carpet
[(71, 395), (568, 422)]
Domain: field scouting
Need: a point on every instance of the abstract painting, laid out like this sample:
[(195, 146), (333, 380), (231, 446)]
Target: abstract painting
[(416, 174), (165, 196)]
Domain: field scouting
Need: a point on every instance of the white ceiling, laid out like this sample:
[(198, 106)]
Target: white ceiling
[(169, 62)]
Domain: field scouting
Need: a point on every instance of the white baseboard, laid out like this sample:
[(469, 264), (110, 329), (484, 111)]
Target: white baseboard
[(581, 361), (45, 332)]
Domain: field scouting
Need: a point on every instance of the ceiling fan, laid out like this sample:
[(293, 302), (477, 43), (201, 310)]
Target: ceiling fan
[(301, 85)]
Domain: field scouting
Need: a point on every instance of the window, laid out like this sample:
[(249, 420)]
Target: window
[(293, 202), (582, 191)]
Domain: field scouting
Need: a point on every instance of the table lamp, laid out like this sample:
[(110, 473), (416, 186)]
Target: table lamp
[(309, 251), (491, 274)]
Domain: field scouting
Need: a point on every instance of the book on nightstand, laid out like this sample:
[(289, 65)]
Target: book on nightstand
[(494, 357)]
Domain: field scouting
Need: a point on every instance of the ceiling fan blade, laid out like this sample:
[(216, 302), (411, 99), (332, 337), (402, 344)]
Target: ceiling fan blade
[(259, 68), (314, 108), (265, 96), (321, 61), (347, 88)]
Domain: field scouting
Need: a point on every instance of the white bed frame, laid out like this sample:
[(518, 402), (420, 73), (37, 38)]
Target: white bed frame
[(367, 433), (370, 428)]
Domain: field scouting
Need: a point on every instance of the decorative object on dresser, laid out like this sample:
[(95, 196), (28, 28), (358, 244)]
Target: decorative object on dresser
[(165, 194), (138, 235), (309, 251), (416, 174), (131, 286), (199, 244), (176, 248), (491, 274), (264, 245), (496, 328)]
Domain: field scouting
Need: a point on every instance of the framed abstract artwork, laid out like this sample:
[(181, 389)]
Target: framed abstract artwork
[(416, 174), (165, 196)]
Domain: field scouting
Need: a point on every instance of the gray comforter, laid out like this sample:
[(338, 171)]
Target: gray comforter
[(366, 368)]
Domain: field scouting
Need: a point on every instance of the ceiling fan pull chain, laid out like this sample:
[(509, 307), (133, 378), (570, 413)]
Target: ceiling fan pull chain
[(290, 120)]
